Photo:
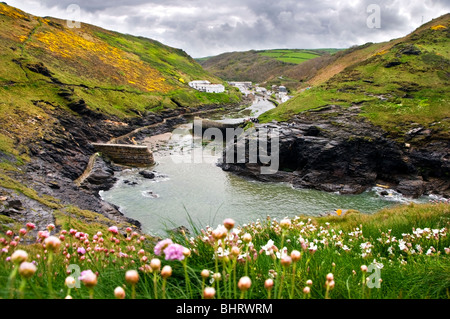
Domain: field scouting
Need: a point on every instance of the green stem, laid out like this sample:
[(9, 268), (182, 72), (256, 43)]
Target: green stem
[(283, 233), (49, 273), (294, 270), (133, 291), (23, 284), (91, 293), (188, 283), (246, 260), (11, 279), (164, 288), (326, 293), (203, 287), (155, 286), (234, 277), (281, 284), (363, 285), (216, 259)]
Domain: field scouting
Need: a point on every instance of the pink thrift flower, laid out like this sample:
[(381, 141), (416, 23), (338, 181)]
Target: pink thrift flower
[(160, 246), (43, 234), (113, 229), (174, 252), (81, 251)]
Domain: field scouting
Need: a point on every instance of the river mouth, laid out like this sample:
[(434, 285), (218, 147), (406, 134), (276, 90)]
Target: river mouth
[(194, 192)]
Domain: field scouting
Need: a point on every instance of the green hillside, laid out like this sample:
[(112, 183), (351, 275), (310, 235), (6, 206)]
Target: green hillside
[(398, 85), (108, 73), (261, 66)]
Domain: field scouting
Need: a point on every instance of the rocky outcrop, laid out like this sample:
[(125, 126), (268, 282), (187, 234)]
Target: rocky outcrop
[(347, 154)]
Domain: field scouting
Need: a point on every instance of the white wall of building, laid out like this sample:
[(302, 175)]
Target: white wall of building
[(206, 86)]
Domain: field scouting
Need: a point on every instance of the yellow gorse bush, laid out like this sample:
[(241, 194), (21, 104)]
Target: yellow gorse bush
[(130, 69), (438, 27), (11, 12)]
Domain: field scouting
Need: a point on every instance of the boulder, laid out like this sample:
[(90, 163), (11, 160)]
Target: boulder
[(147, 174), (411, 188)]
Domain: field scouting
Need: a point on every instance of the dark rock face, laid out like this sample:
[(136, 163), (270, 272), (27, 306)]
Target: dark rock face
[(410, 50), (39, 68), (101, 176), (349, 155)]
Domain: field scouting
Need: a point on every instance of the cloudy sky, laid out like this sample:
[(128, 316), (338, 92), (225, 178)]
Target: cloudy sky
[(210, 27)]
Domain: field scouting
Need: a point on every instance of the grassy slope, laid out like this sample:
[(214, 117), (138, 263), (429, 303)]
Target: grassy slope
[(115, 74), (415, 91)]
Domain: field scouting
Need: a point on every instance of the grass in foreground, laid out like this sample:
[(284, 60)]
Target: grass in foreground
[(396, 253)]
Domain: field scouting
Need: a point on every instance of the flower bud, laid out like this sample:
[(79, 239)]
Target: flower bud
[(209, 293), (306, 290), (19, 256), (268, 284), (205, 273), (155, 264), (286, 261), (119, 293), (364, 268), (88, 278), (70, 282), (166, 271), (27, 269), (186, 252), (285, 223), (330, 284), (295, 255), (330, 277), (235, 251), (52, 243), (244, 283), (229, 223), (247, 238), (132, 277)]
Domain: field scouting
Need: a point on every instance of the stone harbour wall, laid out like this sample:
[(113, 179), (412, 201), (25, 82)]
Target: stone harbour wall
[(128, 155)]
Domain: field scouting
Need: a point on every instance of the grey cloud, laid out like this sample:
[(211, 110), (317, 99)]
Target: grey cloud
[(214, 26)]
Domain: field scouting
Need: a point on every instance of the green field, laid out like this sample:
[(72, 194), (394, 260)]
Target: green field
[(295, 56)]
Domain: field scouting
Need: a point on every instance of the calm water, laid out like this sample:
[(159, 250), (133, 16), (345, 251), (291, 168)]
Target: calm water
[(208, 195)]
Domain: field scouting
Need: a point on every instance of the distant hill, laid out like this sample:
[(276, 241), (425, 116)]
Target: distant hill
[(401, 85), (260, 66)]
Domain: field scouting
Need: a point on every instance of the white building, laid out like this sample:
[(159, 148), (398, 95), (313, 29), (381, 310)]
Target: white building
[(246, 85), (214, 88), (206, 86), (262, 90)]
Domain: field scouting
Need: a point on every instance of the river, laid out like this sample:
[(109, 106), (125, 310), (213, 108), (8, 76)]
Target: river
[(188, 191)]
